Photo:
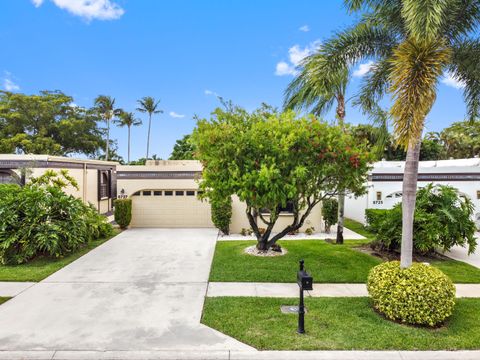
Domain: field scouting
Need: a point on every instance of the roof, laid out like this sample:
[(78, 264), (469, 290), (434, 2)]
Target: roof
[(164, 165), (50, 158), (439, 166)]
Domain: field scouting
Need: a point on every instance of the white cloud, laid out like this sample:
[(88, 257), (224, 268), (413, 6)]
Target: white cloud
[(295, 56), (363, 69), (175, 115), (304, 28), (450, 80), (88, 9), (284, 68), (210, 92), (8, 82)]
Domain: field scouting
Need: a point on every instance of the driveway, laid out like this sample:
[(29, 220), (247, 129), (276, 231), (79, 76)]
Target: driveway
[(142, 290)]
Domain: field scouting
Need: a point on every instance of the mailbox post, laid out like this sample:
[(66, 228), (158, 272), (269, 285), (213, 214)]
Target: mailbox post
[(305, 282)]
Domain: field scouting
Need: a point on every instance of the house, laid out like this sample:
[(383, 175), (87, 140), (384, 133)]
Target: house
[(385, 184), (164, 194), (96, 179)]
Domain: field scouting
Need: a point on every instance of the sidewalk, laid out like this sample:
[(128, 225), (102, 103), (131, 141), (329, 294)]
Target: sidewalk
[(216, 289)]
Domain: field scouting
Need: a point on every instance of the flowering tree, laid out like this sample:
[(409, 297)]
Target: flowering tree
[(268, 159)]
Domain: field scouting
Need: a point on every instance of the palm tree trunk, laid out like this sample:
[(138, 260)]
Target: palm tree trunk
[(128, 162), (108, 139), (341, 195), (148, 136), (409, 196)]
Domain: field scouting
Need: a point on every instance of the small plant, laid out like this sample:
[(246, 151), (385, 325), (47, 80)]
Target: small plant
[(329, 213), (418, 295), (123, 212), (221, 213), (310, 230), (246, 232)]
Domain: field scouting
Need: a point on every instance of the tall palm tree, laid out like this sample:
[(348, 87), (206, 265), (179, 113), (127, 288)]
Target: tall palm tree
[(128, 119), (317, 87), (150, 106), (413, 42), (105, 105)]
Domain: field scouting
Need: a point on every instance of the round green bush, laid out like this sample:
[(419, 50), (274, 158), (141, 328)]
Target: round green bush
[(418, 295)]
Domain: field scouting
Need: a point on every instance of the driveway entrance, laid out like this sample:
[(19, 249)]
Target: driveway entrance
[(142, 290)]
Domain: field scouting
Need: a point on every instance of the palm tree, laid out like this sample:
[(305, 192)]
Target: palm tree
[(150, 106), (413, 42), (105, 105), (128, 119), (318, 87)]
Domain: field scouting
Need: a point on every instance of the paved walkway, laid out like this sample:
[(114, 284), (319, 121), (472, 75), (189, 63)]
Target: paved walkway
[(347, 234), (216, 289), (461, 253), (142, 290), (11, 289)]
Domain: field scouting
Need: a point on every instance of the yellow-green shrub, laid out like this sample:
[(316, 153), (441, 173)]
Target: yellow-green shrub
[(419, 295)]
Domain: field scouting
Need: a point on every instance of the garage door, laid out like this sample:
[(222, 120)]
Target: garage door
[(169, 208)]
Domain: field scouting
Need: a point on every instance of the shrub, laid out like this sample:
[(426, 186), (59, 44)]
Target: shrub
[(443, 218), (418, 295), (310, 230), (329, 213), (374, 218), (40, 219), (123, 212), (221, 213)]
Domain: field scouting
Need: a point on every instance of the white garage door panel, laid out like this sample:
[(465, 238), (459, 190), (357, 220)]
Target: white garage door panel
[(170, 211)]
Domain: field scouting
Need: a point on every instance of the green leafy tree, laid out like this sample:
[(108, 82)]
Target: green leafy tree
[(148, 105), (329, 213), (413, 42), (105, 105), (460, 140), (183, 149), (269, 159), (318, 87), (128, 119), (47, 123)]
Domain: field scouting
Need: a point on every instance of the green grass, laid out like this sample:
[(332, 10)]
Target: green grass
[(358, 228), (3, 299), (326, 262), (39, 268), (337, 324)]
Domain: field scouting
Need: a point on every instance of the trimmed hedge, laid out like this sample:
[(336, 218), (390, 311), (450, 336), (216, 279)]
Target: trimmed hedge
[(123, 212), (418, 295), (374, 218), (329, 213), (221, 213)]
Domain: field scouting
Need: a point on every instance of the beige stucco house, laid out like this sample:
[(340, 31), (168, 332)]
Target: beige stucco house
[(96, 179), (163, 192)]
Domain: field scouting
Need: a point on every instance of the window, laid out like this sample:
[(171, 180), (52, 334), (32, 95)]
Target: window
[(136, 193), (157, 193), (190, 193), (168, 193), (179, 193), (379, 195), (287, 209), (103, 184), (147, 193), (199, 193)]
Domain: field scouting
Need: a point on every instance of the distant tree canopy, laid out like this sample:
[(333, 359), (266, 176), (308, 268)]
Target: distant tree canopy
[(183, 149), (48, 123)]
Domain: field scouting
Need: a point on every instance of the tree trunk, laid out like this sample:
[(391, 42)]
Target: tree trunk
[(341, 195), (148, 136), (409, 195), (108, 139), (128, 156)]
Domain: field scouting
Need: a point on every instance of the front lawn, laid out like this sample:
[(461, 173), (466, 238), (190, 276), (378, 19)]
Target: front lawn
[(41, 267), (336, 324), (328, 263)]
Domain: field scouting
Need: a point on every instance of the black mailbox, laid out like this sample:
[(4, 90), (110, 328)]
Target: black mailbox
[(304, 280)]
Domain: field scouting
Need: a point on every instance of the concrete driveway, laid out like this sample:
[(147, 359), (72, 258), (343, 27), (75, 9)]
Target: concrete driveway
[(142, 290)]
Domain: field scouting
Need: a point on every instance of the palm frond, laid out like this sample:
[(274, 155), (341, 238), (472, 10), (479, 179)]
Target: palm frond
[(426, 18)]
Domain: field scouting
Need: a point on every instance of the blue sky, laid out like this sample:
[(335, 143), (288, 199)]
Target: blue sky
[(182, 52)]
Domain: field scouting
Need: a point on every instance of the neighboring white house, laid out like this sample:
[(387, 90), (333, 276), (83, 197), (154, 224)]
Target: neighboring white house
[(385, 184)]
